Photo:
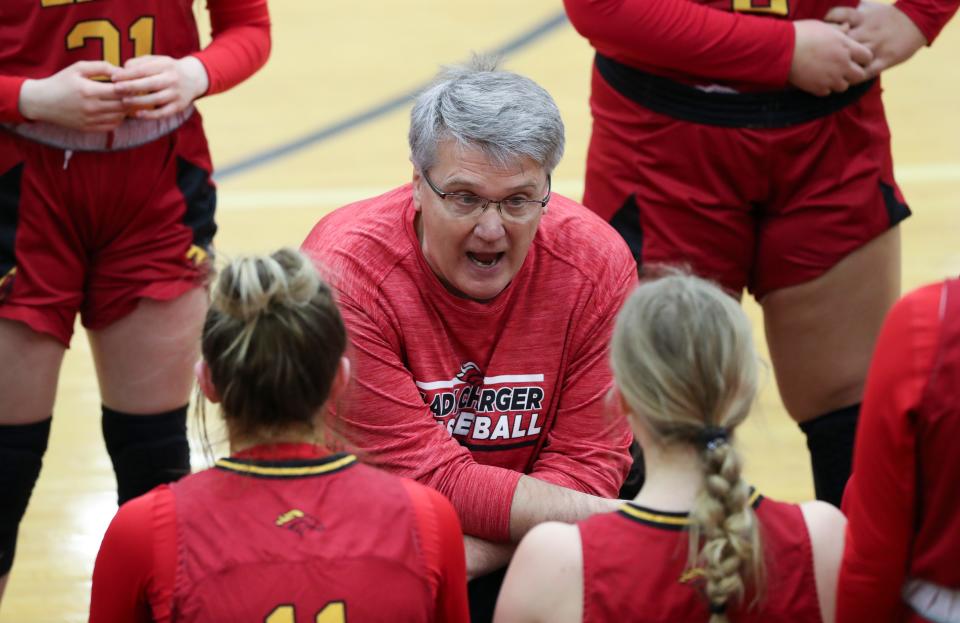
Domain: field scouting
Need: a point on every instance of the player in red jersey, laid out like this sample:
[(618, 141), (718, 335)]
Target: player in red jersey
[(480, 307), (106, 209), (697, 543), (711, 148), (282, 530), (903, 545)]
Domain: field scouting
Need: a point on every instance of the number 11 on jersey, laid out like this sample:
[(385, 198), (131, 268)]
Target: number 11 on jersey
[(333, 612)]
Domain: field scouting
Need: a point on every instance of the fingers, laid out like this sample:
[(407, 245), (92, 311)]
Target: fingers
[(150, 100), (874, 68), (159, 113), (99, 90), (143, 85), (844, 15), (95, 69), (859, 53), (142, 67), (99, 107)]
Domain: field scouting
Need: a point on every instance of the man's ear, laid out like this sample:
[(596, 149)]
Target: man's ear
[(341, 380), (202, 372), (417, 179)]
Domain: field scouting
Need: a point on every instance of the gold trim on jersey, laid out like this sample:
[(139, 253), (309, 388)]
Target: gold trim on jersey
[(673, 521), (287, 470)]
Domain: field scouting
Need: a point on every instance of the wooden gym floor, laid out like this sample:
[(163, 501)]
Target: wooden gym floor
[(331, 107)]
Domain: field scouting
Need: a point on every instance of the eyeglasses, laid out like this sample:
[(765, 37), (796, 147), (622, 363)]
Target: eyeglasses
[(512, 209)]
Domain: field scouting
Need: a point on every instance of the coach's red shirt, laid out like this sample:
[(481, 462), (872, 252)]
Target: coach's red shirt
[(635, 568), (466, 396), (282, 533), (38, 38)]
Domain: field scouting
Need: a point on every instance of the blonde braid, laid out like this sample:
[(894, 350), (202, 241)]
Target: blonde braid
[(723, 519)]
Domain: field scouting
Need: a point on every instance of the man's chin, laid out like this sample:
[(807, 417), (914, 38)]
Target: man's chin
[(481, 292)]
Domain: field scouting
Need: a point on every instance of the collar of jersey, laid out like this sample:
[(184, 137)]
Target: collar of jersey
[(286, 461), (669, 520)]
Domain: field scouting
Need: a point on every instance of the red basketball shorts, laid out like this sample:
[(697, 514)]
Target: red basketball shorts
[(760, 209), (95, 232)]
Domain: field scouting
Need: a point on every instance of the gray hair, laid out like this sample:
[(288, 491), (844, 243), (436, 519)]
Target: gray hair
[(505, 115)]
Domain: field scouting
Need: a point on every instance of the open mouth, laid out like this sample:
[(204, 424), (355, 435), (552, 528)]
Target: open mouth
[(485, 260)]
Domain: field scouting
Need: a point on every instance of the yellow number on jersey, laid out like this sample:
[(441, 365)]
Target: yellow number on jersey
[(46, 3), (773, 7), (140, 32), (333, 612)]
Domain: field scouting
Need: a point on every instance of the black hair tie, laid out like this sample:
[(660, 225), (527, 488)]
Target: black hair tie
[(712, 437)]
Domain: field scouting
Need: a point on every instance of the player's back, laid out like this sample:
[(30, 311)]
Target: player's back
[(296, 541), (635, 568)]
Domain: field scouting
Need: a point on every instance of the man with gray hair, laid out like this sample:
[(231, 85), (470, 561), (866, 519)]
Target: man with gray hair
[(480, 307)]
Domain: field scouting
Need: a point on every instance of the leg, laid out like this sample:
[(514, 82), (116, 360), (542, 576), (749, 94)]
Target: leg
[(27, 393), (145, 368), (821, 336)]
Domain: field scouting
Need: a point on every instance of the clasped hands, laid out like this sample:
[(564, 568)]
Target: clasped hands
[(851, 45), (96, 96)]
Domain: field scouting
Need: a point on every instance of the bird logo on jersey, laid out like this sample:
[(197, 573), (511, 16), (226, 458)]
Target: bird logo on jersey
[(470, 374), (297, 521)]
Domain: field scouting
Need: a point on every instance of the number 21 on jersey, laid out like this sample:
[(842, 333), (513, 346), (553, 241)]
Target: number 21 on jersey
[(140, 34)]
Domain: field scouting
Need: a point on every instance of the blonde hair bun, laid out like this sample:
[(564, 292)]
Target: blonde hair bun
[(252, 286)]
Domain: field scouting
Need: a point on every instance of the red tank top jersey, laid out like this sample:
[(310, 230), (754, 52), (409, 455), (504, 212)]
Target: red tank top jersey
[(634, 568), (62, 32), (292, 542)]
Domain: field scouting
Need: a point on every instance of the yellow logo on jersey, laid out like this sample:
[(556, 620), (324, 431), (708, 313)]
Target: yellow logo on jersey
[(289, 516), (197, 255)]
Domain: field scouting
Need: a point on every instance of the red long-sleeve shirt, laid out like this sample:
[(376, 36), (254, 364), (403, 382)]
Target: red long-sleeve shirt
[(28, 30), (466, 396), (901, 501), (282, 524), (709, 41)]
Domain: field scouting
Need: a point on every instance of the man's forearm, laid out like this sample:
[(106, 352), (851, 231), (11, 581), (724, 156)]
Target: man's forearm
[(485, 557), (535, 502)]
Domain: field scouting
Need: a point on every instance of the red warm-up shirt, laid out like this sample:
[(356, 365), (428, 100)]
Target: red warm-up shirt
[(736, 41), (38, 38), (902, 500), (466, 396), (283, 532)]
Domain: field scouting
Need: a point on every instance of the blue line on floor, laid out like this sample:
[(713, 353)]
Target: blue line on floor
[(274, 153)]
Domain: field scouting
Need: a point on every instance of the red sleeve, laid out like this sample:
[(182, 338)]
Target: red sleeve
[(241, 42), (442, 543), (684, 36), (930, 16), (588, 447), (134, 573), (879, 499), (404, 439), (10, 99)]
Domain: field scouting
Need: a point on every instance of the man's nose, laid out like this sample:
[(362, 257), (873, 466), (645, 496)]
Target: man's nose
[(490, 225)]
